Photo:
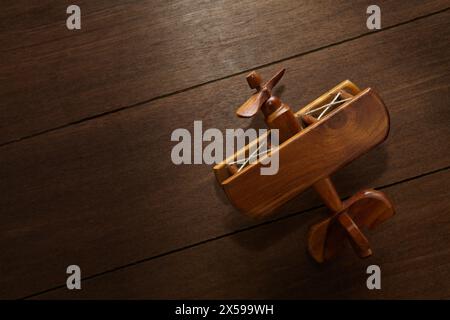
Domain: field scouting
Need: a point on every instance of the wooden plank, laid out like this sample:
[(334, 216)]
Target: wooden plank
[(133, 51), (270, 261), (104, 193)]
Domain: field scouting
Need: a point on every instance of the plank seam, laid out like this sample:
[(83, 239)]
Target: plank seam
[(193, 245), (95, 116)]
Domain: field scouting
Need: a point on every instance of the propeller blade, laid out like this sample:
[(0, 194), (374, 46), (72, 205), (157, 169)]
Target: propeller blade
[(252, 105), (272, 82)]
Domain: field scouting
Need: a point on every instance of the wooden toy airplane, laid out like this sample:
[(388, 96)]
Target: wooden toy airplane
[(322, 137)]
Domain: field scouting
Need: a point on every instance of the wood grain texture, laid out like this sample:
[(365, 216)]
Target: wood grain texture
[(129, 52), (351, 131), (271, 262), (104, 193)]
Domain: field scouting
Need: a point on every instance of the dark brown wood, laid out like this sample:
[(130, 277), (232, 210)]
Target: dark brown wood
[(269, 261), (328, 193), (352, 129), (130, 52), (263, 93), (282, 118), (321, 246), (103, 193), (324, 237), (366, 209)]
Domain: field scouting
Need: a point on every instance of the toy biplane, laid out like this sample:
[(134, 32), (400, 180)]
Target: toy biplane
[(333, 130)]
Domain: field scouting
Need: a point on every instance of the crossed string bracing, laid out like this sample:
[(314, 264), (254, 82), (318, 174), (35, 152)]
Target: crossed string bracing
[(255, 154)]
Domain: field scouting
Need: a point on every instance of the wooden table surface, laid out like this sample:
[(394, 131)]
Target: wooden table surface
[(85, 171)]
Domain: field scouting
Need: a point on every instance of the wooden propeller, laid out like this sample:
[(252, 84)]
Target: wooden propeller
[(263, 93), (368, 208)]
